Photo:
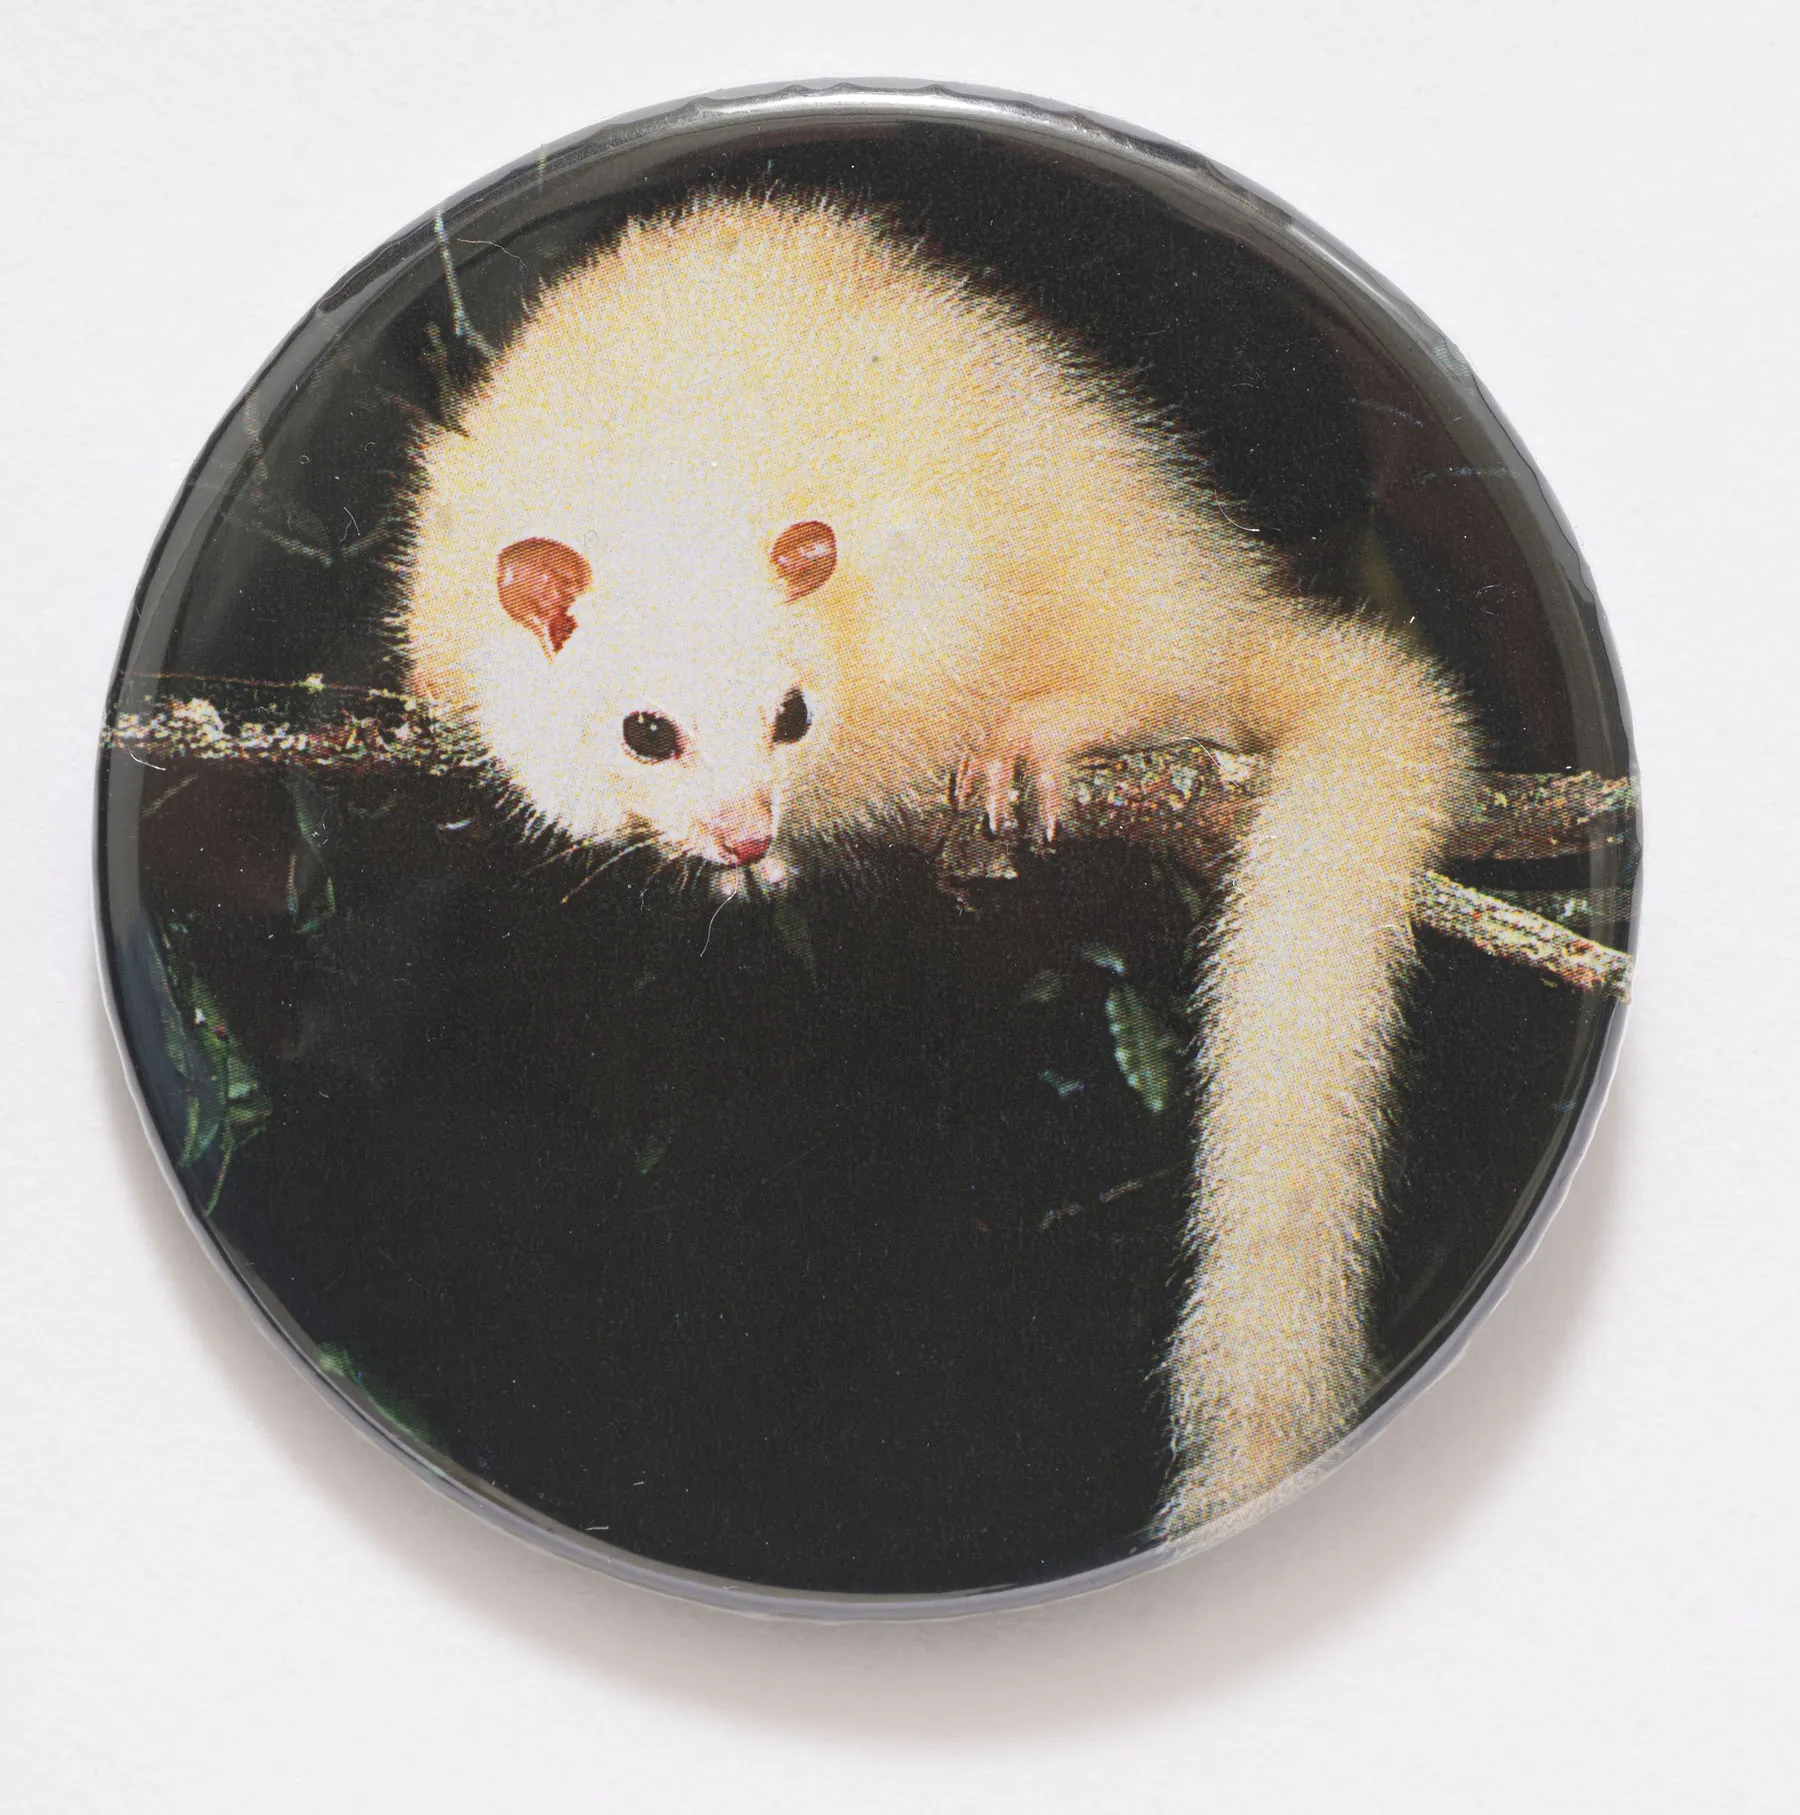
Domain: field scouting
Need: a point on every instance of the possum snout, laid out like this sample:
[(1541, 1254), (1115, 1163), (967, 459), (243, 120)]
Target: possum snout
[(743, 829)]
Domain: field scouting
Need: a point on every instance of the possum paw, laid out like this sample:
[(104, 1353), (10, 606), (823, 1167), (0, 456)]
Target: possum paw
[(1034, 744), (990, 778)]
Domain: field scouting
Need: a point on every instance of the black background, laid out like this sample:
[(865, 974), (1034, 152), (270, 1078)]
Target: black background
[(758, 1242)]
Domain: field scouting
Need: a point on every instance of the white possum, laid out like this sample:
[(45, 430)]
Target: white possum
[(766, 524)]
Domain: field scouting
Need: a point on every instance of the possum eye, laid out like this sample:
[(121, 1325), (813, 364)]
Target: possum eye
[(539, 580), (805, 554), (651, 737), (793, 720)]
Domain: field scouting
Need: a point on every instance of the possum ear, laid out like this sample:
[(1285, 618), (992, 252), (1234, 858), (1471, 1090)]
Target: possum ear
[(805, 554), (539, 580)]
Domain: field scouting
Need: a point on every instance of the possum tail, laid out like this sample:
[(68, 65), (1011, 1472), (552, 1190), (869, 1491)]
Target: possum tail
[(1301, 1001)]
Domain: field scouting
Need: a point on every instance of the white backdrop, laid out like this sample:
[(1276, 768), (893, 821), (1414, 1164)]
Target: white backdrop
[(1564, 1580)]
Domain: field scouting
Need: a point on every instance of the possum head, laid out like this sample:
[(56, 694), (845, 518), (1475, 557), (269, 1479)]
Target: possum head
[(647, 673), (707, 555)]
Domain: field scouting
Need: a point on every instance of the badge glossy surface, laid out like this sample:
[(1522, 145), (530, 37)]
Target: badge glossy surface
[(867, 847)]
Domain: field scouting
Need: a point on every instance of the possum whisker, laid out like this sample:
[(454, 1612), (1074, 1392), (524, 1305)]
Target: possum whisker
[(714, 921), (564, 852), (601, 869)]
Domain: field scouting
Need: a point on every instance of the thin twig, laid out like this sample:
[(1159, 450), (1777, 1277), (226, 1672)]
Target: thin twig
[(1505, 931)]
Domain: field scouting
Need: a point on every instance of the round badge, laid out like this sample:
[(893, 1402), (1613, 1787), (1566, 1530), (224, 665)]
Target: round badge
[(867, 848)]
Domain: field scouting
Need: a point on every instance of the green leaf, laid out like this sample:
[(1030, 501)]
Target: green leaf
[(1042, 986), (333, 1359), (311, 895), (795, 935), (226, 1103), (654, 1149), (1178, 878), (1147, 1049)]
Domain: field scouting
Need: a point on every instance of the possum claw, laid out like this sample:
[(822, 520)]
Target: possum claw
[(1002, 797), (987, 778), (991, 776)]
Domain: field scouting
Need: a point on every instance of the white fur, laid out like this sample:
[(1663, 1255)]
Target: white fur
[(1028, 566)]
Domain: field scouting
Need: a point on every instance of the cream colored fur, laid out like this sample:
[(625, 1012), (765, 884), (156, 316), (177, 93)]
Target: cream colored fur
[(1027, 566)]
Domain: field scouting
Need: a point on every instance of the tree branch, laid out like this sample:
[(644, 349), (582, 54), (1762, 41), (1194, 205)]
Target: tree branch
[(1188, 799), (1506, 931)]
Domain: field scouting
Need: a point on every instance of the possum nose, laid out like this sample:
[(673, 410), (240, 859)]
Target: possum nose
[(746, 850), (745, 829)]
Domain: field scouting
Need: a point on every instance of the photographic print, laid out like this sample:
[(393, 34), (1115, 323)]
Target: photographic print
[(865, 846)]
